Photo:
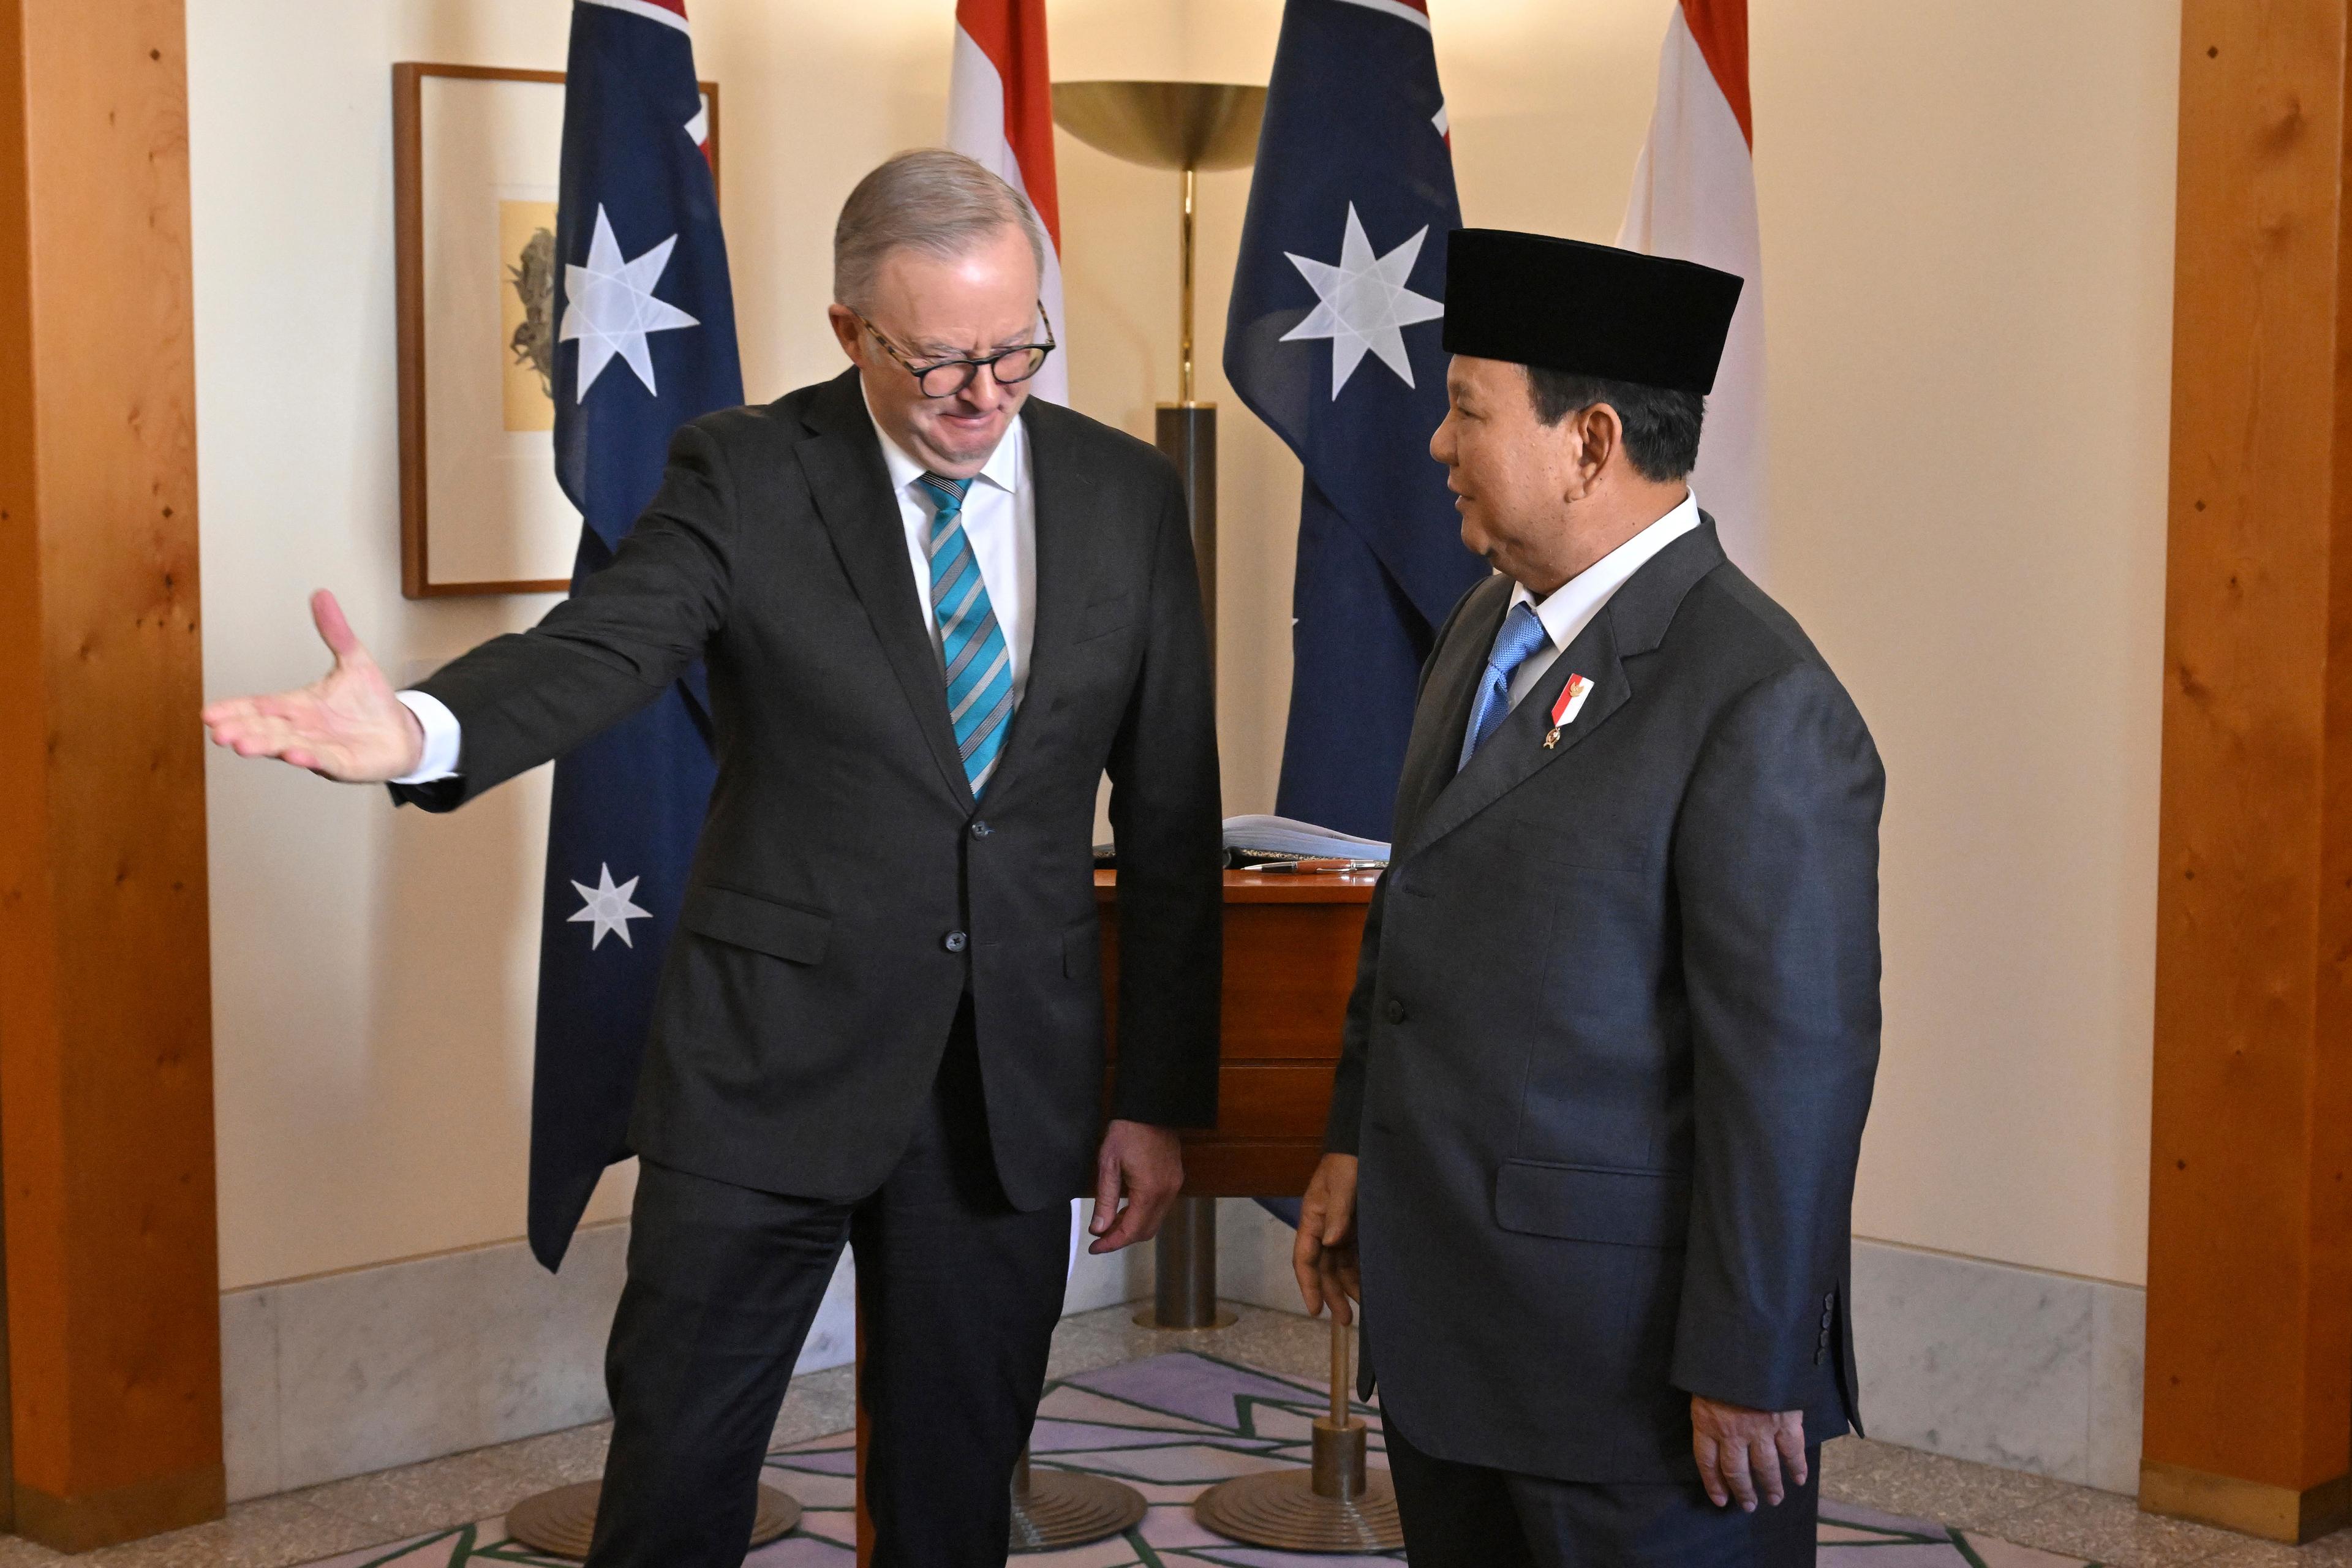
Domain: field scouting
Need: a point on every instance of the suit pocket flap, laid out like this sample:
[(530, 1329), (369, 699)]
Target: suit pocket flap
[(763, 925), (1591, 1203)]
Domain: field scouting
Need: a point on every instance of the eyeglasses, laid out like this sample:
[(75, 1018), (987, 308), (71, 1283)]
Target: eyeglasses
[(945, 378)]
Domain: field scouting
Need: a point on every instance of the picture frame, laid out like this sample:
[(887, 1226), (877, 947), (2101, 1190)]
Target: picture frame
[(477, 153)]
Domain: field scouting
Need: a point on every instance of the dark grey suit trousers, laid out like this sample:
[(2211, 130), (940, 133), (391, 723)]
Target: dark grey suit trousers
[(1466, 1516), (960, 1291)]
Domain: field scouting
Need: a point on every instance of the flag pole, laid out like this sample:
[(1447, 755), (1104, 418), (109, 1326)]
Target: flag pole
[(1187, 127)]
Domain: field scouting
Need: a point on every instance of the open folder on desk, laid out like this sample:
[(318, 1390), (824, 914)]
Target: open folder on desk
[(1259, 843)]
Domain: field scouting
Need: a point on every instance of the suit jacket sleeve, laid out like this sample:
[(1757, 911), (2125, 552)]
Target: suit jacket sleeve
[(610, 648), (1344, 1130), (1775, 867), (1165, 813)]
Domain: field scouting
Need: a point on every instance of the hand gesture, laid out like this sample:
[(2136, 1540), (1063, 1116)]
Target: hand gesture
[(1741, 1453), (346, 725), (1324, 1254)]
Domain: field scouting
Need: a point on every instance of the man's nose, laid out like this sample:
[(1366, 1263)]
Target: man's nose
[(985, 391)]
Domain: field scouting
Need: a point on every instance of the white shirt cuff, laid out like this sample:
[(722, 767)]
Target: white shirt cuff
[(440, 725)]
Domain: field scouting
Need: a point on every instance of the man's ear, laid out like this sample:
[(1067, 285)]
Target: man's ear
[(1596, 440), (847, 332)]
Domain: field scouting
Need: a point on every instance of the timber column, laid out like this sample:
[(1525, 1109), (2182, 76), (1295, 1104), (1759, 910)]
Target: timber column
[(106, 1094), (2249, 1413)]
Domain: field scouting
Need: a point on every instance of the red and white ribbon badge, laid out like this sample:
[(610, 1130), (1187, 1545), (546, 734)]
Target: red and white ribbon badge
[(1571, 701)]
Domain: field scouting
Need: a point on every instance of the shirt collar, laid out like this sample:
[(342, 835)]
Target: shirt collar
[(1002, 469), (1570, 608)]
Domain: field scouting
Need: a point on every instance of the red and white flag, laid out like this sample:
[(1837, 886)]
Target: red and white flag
[(1001, 111), (1694, 197)]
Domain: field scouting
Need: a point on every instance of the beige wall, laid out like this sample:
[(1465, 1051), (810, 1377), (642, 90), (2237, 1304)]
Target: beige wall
[(1967, 231), (1968, 245)]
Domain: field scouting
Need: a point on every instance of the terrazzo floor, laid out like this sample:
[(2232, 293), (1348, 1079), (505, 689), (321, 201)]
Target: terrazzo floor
[(1169, 1413)]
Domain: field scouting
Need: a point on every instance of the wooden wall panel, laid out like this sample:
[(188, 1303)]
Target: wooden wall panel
[(2249, 1404), (106, 1135)]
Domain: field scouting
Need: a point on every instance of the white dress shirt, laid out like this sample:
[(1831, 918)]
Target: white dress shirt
[(1000, 519), (1570, 608)]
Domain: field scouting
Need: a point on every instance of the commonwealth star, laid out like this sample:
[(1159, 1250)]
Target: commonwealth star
[(608, 908), (1363, 304), (609, 306)]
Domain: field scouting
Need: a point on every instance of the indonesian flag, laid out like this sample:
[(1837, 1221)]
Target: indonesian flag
[(1001, 111), (1694, 197)]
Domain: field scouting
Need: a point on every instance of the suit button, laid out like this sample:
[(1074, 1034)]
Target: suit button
[(1827, 1319), (954, 942), (980, 830), (1395, 1010)]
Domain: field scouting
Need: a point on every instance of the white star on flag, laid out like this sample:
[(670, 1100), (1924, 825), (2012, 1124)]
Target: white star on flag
[(1364, 304), (609, 907), (609, 306)]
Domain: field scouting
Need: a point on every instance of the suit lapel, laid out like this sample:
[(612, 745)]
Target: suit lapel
[(1516, 751), (1632, 623), (852, 490), (1442, 715)]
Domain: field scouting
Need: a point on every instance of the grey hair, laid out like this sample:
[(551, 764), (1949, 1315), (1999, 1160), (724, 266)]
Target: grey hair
[(931, 200)]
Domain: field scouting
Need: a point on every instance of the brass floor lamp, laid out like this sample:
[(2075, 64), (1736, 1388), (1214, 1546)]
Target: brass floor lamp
[(1190, 127)]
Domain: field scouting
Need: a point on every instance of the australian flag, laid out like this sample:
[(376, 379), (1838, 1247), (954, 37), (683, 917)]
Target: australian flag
[(1333, 341), (646, 341)]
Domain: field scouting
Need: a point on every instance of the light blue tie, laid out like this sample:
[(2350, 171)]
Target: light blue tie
[(972, 645), (1522, 634)]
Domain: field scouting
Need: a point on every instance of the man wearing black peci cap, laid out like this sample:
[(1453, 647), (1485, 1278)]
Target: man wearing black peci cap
[(1592, 1143)]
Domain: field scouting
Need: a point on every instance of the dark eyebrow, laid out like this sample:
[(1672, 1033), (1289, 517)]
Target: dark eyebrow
[(937, 350)]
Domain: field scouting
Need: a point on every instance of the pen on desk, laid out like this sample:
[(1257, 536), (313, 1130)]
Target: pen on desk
[(1319, 866)]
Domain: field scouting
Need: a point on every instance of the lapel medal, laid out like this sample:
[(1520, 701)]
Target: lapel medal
[(1564, 711)]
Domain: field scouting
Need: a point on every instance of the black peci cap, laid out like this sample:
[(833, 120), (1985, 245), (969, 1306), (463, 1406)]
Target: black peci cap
[(1588, 309)]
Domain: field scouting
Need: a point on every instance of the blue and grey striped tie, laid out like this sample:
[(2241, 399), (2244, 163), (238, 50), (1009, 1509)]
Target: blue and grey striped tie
[(972, 645)]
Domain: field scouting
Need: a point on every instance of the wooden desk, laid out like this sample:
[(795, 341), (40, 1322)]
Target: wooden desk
[(1290, 963)]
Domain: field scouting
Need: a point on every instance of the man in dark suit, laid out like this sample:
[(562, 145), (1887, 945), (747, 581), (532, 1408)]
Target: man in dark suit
[(933, 616), (1593, 1140)]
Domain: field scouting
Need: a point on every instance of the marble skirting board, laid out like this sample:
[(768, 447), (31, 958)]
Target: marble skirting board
[(2007, 1366), (1974, 1359), (349, 1373)]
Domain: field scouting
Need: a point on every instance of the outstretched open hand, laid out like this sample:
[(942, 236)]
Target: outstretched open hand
[(346, 725)]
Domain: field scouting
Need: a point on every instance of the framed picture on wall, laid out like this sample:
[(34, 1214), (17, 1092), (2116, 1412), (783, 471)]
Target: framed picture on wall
[(476, 156)]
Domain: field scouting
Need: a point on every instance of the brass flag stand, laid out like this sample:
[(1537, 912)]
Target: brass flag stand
[(1058, 1508), (1339, 1504), (562, 1522), (1191, 127)]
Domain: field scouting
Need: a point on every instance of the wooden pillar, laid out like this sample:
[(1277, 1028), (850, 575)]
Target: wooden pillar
[(106, 1107), (2248, 1412)]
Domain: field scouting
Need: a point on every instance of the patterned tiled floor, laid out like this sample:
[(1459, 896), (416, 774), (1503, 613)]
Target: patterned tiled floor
[(1165, 1411), (1171, 1426)]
